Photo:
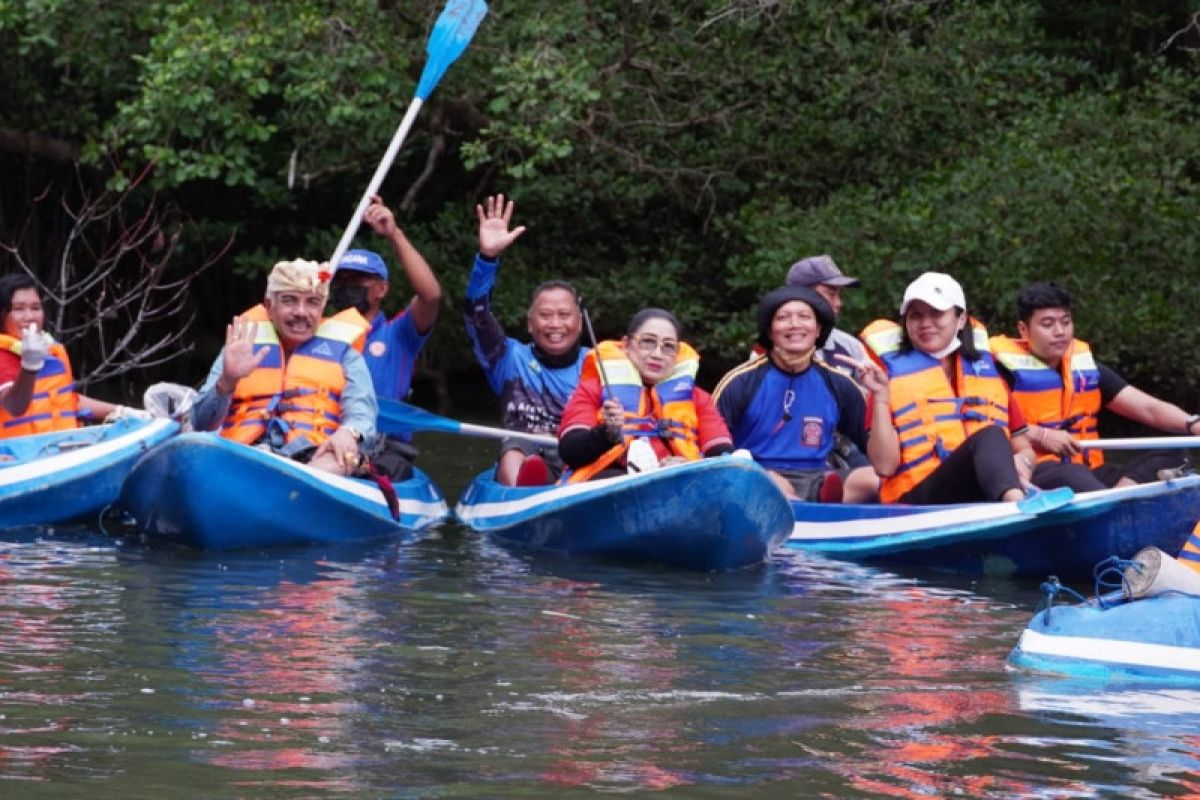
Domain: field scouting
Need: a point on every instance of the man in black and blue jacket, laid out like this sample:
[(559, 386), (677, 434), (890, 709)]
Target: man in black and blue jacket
[(533, 380)]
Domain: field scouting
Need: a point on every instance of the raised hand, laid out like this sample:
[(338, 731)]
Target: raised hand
[(239, 359), (35, 346), (494, 235), (380, 217), (870, 375)]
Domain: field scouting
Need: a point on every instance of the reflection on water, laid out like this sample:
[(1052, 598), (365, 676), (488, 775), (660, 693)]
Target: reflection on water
[(451, 667)]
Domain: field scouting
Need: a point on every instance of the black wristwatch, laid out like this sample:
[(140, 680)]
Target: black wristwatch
[(1192, 420), (355, 432)]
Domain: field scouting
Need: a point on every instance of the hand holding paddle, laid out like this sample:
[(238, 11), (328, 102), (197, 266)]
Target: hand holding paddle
[(398, 417), (1058, 442), (614, 418)]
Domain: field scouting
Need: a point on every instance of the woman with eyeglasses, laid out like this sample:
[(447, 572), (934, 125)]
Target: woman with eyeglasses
[(641, 389), (944, 428), (786, 405)]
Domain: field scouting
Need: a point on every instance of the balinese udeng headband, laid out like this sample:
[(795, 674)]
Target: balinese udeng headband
[(300, 276)]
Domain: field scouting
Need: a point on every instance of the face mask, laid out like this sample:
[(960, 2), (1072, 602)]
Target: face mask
[(349, 295), (955, 343)]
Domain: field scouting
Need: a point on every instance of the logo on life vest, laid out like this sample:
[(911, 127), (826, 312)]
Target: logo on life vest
[(810, 435), (377, 348)]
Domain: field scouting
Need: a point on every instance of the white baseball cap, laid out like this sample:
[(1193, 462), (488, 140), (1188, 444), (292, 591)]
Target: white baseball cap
[(935, 288)]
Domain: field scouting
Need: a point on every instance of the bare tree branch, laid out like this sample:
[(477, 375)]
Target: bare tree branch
[(116, 297)]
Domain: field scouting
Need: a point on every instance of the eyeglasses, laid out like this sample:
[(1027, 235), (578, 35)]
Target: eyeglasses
[(648, 344)]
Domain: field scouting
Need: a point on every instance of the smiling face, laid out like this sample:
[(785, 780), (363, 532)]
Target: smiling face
[(26, 308), (794, 328), (295, 316), (1049, 332), (653, 348), (554, 321), (930, 330)]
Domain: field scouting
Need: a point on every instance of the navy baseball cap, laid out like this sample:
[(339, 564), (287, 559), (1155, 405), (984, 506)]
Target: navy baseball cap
[(364, 261)]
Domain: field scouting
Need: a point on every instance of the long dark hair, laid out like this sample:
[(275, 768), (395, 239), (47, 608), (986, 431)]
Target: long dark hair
[(966, 338), (10, 285)]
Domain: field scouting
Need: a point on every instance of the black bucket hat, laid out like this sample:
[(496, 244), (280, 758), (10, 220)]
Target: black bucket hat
[(785, 294)]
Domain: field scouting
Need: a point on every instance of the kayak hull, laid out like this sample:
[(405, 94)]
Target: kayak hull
[(210, 493), (72, 476), (998, 538), (716, 514), (1155, 639)]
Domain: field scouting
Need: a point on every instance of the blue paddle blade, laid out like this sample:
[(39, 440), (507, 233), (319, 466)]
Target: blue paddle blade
[(399, 417), (1040, 501), (451, 34)]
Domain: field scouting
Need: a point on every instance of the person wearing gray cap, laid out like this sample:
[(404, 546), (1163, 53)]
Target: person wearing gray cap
[(821, 274)]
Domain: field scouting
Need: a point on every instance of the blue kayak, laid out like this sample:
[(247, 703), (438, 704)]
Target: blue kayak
[(716, 514), (1006, 539), (1156, 638), (211, 493), (71, 476)]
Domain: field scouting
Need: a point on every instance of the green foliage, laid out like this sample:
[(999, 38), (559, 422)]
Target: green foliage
[(662, 152), (1096, 191)]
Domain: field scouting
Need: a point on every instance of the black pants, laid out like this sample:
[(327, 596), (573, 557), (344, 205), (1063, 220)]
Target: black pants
[(1143, 469), (981, 469)]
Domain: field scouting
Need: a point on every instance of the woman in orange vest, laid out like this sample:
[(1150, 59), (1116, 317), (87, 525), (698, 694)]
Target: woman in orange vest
[(940, 414), (642, 388), (37, 387)]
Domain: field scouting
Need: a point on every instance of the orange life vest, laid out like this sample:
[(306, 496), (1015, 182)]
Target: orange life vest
[(930, 419), (1067, 398), (54, 405), (665, 410), (1190, 554), (302, 395)]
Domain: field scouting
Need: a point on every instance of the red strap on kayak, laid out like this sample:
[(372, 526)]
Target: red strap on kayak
[(389, 491)]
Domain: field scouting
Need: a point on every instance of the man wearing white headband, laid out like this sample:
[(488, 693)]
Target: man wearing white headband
[(291, 381)]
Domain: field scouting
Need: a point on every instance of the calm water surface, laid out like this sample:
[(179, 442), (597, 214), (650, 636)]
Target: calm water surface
[(448, 667)]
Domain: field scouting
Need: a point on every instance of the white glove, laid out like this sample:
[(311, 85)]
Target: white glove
[(35, 346), (125, 412)]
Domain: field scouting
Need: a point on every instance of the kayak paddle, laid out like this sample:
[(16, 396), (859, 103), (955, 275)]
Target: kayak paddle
[(1142, 443), (399, 417), (451, 34)]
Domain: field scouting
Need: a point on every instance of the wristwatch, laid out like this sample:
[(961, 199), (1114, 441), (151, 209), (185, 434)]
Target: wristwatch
[(1192, 420), (355, 432)]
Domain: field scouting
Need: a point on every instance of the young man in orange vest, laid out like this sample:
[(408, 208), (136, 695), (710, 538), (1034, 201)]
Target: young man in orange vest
[(1061, 390), (291, 381)]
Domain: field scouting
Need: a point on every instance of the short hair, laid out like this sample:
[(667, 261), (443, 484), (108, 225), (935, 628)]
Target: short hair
[(1043, 294), (10, 285), (646, 314), (549, 286)]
